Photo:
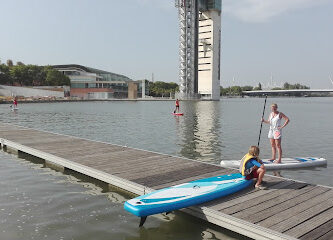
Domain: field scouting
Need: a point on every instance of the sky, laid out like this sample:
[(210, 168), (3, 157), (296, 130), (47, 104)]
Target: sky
[(266, 41)]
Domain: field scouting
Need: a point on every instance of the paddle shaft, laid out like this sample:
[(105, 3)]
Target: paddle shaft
[(263, 113)]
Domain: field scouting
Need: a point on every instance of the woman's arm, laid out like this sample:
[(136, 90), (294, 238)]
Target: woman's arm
[(266, 121), (286, 120)]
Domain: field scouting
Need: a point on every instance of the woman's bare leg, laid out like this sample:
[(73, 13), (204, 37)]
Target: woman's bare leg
[(279, 148), (273, 148)]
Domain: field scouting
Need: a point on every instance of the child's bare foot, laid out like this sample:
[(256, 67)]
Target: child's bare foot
[(277, 161), (260, 187)]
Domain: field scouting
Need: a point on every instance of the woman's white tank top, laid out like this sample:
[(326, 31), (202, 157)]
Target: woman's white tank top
[(275, 121)]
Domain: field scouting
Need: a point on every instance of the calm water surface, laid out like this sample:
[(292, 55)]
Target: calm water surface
[(38, 203)]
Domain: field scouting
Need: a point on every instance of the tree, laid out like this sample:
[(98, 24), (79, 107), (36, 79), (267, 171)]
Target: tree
[(258, 88), (286, 86), (159, 88), (9, 63), (56, 78), (4, 74), (20, 75), (247, 88)]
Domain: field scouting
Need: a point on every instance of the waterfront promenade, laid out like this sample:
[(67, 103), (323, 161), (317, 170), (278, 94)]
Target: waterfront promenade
[(288, 210)]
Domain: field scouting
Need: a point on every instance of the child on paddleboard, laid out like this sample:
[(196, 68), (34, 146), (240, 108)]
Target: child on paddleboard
[(252, 167)]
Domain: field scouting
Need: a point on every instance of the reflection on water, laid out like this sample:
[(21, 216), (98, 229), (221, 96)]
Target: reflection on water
[(199, 130), (183, 226)]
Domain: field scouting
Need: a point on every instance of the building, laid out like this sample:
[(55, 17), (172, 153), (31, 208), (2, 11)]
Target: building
[(91, 83), (200, 48), (209, 49)]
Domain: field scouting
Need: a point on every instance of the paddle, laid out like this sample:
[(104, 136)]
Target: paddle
[(263, 113)]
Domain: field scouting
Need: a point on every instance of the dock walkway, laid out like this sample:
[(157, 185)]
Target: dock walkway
[(287, 210)]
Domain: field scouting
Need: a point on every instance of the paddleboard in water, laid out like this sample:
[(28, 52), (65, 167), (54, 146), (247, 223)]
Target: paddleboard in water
[(14, 109), (185, 195), (286, 163), (178, 114)]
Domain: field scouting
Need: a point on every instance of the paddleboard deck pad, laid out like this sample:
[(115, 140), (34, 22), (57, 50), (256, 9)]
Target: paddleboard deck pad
[(286, 163), (185, 195)]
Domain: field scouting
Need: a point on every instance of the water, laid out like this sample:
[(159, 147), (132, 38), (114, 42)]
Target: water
[(63, 207)]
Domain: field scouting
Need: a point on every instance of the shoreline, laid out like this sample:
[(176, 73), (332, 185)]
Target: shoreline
[(21, 101)]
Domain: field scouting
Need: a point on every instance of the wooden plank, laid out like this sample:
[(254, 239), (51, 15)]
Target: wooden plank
[(86, 152), (266, 213), (121, 155), (303, 216), (158, 179), (157, 169), (252, 195), (289, 213), (264, 202), (312, 223), (260, 200), (57, 146), (319, 231), (82, 156), (157, 165), (218, 203), (122, 165), (326, 236), (145, 165)]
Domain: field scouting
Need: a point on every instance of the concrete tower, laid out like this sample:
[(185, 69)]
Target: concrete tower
[(199, 48)]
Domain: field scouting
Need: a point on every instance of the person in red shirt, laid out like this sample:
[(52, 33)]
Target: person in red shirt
[(15, 103), (177, 106)]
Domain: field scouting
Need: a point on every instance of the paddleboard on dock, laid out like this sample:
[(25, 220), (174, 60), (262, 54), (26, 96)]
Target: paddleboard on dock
[(185, 195), (286, 163)]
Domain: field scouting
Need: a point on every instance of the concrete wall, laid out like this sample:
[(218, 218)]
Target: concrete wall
[(90, 93), (28, 92)]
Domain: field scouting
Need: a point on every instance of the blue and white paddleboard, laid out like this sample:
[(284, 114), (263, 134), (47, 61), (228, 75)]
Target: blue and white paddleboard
[(185, 195), (286, 163)]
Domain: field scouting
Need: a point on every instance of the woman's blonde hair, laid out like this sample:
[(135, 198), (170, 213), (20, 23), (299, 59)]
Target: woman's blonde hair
[(274, 105), (254, 151)]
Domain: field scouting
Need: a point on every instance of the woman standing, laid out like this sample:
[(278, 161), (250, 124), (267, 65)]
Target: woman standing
[(275, 130)]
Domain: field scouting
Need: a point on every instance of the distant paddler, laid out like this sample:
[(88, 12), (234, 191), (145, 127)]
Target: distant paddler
[(14, 105), (15, 102), (275, 130), (177, 106)]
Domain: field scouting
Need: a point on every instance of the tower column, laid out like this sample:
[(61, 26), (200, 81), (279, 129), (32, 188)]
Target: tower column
[(199, 48)]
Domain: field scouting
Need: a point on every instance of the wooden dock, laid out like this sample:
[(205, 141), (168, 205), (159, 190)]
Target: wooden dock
[(287, 210)]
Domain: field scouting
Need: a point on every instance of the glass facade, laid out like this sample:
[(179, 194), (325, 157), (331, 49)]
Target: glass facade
[(97, 83), (205, 5)]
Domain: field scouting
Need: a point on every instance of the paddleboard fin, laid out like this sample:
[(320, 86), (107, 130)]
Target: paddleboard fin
[(142, 221), (167, 213)]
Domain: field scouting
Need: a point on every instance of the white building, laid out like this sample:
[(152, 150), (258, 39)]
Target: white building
[(209, 49)]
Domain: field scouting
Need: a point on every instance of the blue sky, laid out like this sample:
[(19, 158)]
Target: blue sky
[(288, 39)]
